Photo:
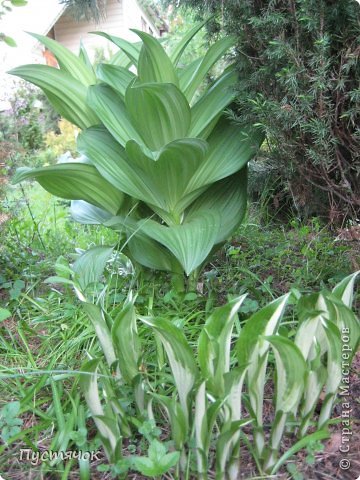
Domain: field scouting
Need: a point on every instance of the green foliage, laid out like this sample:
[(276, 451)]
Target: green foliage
[(171, 180), (299, 81), (217, 392), (157, 462), (10, 424)]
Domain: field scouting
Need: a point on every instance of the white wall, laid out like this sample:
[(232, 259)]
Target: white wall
[(132, 19)]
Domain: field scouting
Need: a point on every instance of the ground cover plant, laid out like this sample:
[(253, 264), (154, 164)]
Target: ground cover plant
[(99, 354)]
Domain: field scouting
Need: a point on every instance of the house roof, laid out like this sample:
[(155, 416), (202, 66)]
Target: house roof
[(40, 16)]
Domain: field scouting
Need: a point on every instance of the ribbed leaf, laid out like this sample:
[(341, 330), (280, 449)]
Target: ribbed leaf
[(90, 266), (180, 355), (126, 342), (154, 64), (112, 162), (84, 212), (65, 93), (177, 162), (117, 77), (190, 242), (68, 61), (75, 181), (84, 57), (216, 51), (132, 50), (187, 72), (159, 111), (230, 148), (142, 248), (111, 110), (179, 48), (228, 197), (212, 103), (102, 331)]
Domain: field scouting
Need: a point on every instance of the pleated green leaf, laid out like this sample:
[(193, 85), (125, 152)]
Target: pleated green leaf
[(190, 242), (230, 148), (228, 197), (68, 61), (112, 162), (142, 248), (112, 112), (90, 266), (186, 73), (160, 112), (84, 212), (75, 181), (65, 93), (216, 51), (179, 48), (84, 57), (154, 65), (117, 77), (131, 50), (176, 162), (212, 103)]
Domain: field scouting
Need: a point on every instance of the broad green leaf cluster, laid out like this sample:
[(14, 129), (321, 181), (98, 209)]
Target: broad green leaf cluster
[(219, 387), (162, 164)]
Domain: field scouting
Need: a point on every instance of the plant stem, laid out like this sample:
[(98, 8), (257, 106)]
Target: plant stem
[(192, 281)]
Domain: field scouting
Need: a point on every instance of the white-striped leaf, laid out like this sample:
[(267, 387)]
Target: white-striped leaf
[(126, 342), (181, 358), (102, 331), (214, 345)]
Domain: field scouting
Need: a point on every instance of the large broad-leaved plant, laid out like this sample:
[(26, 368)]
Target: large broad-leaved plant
[(162, 163)]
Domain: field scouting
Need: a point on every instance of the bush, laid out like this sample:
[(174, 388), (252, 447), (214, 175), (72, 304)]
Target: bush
[(299, 81)]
